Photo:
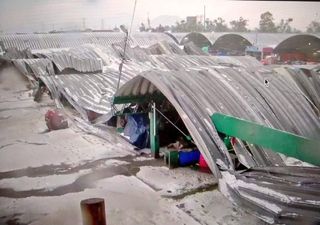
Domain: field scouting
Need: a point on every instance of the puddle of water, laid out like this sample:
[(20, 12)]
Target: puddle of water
[(85, 181)]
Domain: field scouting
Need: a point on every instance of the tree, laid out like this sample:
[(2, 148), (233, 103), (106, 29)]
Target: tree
[(184, 26), (142, 27), (284, 26), (239, 25), (220, 25), (266, 23), (313, 27)]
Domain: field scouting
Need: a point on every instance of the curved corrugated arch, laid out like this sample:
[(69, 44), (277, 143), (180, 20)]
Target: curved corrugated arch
[(305, 43), (231, 42), (199, 39), (300, 39), (173, 37), (196, 95)]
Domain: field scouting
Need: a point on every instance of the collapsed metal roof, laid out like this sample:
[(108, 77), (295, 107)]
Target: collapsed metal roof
[(82, 59), (73, 86), (68, 40), (144, 39), (197, 94), (198, 86)]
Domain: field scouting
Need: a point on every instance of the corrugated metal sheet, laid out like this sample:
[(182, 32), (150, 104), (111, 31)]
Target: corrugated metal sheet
[(60, 40), (197, 86), (198, 94), (308, 82), (34, 67), (146, 39), (76, 82), (82, 59), (258, 39), (281, 104), (86, 91), (67, 40), (278, 195)]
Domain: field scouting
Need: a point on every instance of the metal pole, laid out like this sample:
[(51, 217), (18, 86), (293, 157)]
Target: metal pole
[(154, 118), (122, 60), (154, 136), (125, 45)]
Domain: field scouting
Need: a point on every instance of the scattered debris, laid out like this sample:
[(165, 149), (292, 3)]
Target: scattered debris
[(55, 120)]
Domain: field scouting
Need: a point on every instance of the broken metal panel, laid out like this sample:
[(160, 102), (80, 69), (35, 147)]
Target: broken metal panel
[(146, 39), (92, 91), (280, 195), (34, 68), (243, 61), (165, 48), (80, 59), (40, 67), (308, 82)]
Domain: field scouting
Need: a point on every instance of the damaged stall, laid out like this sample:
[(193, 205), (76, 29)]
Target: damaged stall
[(167, 101), (151, 121), (243, 165)]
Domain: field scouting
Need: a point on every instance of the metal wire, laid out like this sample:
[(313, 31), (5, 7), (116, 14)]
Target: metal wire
[(187, 136)]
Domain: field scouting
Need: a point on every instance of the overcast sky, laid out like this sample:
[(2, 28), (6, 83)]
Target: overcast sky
[(43, 15)]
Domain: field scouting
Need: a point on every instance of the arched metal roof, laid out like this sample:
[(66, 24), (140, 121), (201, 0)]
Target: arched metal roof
[(260, 40), (146, 39), (199, 39), (307, 44), (231, 42), (68, 40), (196, 95)]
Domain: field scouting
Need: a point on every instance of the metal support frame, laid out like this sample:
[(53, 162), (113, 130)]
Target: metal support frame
[(154, 135), (276, 140), (137, 99)]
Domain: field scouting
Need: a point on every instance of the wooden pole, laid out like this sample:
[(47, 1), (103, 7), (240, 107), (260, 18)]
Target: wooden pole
[(93, 211)]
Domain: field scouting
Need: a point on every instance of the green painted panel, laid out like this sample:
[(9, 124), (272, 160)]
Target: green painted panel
[(279, 141)]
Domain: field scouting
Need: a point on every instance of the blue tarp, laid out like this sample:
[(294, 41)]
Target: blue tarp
[(189, 157), (137, 129)]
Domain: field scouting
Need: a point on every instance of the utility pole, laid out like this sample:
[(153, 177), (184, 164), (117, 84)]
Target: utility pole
[(149, 25)]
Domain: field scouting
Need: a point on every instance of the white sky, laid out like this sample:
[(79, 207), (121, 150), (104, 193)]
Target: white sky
[(38, 15)]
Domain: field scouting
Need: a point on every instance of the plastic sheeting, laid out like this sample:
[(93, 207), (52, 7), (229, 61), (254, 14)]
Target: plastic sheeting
[(137, 130)]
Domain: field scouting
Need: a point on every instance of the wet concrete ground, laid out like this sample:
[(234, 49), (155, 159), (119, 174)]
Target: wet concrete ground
[(45, 175)]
